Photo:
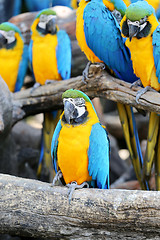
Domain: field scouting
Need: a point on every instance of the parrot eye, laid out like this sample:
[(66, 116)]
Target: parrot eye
[(43, 18), (10, 34), (79, 102), (117, 15)]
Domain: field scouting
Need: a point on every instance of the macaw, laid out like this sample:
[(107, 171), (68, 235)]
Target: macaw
[(99, 36), (50, 57), (142, 30), (13, 56), (38, 5), (80, 144)]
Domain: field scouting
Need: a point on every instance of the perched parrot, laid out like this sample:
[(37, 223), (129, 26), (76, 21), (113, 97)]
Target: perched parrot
[(80, 145), (13, 56), (99, 36), (50, 57), (38, 5), (142, 30)]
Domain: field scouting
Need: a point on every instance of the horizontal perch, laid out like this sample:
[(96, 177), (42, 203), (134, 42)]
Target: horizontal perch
[(34, 208), (100, 84)]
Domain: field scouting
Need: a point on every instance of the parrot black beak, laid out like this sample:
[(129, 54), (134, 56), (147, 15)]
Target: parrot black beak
[(133, 30), (69, 110), (3, 41), (51, 26)]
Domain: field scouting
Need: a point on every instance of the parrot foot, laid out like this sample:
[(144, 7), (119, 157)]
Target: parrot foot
[(35, 86), (136, 84), (85, 73), (72, 186), (143, 91), (57, 177)]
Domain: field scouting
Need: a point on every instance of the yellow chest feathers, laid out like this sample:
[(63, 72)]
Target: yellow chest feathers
[(9, 63), (44, 59)]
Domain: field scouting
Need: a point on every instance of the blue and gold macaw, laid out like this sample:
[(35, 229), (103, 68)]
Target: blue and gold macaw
[(99, 36), (13, 56), (80, 145), (38, 5), (50, 57), (142, 30)]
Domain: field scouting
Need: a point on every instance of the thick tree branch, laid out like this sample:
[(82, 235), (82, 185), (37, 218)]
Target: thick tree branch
[(100, 84), (33, 208)]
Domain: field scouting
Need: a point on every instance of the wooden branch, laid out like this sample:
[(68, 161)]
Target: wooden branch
[(5, 108), (100, 84), (33, 208)]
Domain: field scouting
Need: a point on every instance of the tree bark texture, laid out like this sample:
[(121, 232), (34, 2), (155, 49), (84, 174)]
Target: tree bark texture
[(100, 84), (34, 208)]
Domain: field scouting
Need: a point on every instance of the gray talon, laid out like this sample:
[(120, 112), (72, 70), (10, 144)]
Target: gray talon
[(57, 177), (136, 84), (143, 91), (72, 186)]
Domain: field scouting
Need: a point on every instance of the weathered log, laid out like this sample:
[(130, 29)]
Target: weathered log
[(100, 84), (33, 208), (5, 108), (49, 97)]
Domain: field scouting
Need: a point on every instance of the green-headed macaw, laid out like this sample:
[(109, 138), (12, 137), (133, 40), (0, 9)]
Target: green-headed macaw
[(99, 36), (142, 30), (80, 145), (13, 56), (50, 57)]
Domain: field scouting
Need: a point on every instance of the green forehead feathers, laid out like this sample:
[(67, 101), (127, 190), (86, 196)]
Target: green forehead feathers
[(139, 10), (119, 6), (46, 12), (7, 26), (73, 93)]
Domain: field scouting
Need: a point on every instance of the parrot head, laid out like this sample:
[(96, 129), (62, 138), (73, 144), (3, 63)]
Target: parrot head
[(117, 7), (8, 35), (136, 21), (75, 110), (47, 22)]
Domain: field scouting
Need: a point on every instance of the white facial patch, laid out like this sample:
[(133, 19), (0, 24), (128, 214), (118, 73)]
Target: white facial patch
[(137, 24), (44, 19), (79, 104), (10, 36)]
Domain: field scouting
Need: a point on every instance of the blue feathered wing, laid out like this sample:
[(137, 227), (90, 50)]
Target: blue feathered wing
[(156, 51), (98, 155), (63, 54), (103, 36), (54, 145), (22, 69)]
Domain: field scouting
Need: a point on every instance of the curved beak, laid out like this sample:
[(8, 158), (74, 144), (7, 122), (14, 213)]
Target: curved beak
[(3, 41), (69, 109), (51, 26), (133, 30)]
